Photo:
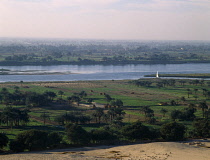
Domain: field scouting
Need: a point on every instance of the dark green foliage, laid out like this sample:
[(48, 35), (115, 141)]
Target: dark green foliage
[(108, 97), (3, 140), (97, 114), (33, 139), (173, 131), (101, 135), (202, 128), (136, 131), (50, 95), (16, 146), (203, 106), (34, 99), (13, 116), (117, 103), (173, 103), (77, 135), (53, 139), (187, 114), (72, 117), (113, 113), (164, 111), (142, 83)]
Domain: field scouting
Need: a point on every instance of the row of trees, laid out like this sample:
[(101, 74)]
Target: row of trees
[(14, 116), (76, 135)]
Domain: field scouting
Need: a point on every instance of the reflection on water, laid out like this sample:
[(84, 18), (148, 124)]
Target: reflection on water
[(100, 72)]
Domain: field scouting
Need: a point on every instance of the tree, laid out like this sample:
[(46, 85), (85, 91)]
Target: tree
[(53, 139), (76, 99), (16, 146), (173, 131), (61, 93), (164, 111), (76, 134), (173, 102), (97, 114), (108, 97), (195, 90), (21, 83), (148, 113), (32, 139), (201, 128), (3, 140), (82, 94), (50, 95), (118, 103), (44, 116), (188, 92), (176, 114), (203, 106), (101, 135), (136, 131)]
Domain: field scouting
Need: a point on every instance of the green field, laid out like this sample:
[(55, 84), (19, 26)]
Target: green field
[(134, 98)]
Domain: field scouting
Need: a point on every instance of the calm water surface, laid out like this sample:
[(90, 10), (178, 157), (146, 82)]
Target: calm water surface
[(101, 72)]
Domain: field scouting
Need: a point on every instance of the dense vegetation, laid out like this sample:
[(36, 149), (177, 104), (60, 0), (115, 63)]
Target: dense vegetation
[(46, 52), (43, 115)]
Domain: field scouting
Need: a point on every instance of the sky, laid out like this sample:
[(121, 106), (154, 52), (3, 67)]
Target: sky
[(106, 19)]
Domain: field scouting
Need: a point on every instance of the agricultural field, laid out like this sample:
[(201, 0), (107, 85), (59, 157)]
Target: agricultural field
[(134, 95)]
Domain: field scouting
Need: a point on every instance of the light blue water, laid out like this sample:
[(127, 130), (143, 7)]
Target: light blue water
[(101, 72)]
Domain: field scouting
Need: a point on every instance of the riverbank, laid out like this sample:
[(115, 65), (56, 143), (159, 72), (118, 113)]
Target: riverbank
[(93, 62), (32, 72), (195, 75)]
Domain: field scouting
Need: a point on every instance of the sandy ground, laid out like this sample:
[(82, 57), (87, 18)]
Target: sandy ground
[(196, 150)]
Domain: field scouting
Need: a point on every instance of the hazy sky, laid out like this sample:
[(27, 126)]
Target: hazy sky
[(106, 19)]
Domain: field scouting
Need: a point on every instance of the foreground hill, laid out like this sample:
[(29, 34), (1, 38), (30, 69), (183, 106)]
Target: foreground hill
[(157, 150)]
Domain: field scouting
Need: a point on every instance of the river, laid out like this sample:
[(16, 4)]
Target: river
[(100, 72)]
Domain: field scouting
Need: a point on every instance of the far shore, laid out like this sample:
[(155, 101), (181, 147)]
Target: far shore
[(34, 73), (193, 75)]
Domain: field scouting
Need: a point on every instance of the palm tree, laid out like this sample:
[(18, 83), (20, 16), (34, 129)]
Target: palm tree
[(82, 94), (195, 90), (164, 111), (108, 97), (61, 93), (188, 92), (45, 116), (207, 113), (99, 112), (203, 106), (21, 83), (204, 91)]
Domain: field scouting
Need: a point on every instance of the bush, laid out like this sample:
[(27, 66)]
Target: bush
[(77, 135), (102, 135), (31, 140), (202, 128), (3, 140), (136, 131), (53, 139), (16, 146), (173, 131)]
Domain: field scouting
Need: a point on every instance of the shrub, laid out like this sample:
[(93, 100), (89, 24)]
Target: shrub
[(76, 134), (53, 139), (31, 140), (16, 146), (102, 135), (173, 131), (136, 131), (202, 128), (3, 140)]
